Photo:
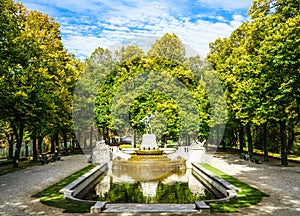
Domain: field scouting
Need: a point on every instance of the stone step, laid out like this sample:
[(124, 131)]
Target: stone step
[(135, 207)]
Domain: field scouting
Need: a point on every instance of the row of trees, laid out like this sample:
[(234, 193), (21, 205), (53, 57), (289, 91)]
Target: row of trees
[(37, 78), (163, 82), (259, 67)]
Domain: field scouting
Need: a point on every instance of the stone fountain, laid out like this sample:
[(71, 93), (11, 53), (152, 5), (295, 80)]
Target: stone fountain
[(149, 158)]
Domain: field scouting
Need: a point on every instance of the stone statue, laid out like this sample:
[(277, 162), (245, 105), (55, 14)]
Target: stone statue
[(146, 121)]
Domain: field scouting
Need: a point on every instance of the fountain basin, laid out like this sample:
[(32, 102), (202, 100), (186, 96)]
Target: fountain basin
[(149, 162), (226, 190), (133, 150), (129, 150)]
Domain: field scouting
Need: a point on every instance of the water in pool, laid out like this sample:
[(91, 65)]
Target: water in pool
[(149, 187)]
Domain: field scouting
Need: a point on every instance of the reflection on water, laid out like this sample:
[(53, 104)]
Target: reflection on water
[(149, 187)]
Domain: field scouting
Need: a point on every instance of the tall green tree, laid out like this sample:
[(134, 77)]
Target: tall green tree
[(96, 68), (128, 53), (169, 47), (279, 58), (259, 68), (36, 74)]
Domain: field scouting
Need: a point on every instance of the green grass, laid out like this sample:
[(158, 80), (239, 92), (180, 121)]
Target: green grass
[(52, 197), (277, 155), (246, 196), (291, 157), (128, 146), (7, 165)]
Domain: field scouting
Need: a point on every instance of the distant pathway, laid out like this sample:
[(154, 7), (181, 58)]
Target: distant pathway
[(281, 183), (17, 187)]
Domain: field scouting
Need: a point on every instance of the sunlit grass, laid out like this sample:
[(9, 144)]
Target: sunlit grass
[(6, 166), (291, 157), (245, 197), (52, 197), (277, 155)]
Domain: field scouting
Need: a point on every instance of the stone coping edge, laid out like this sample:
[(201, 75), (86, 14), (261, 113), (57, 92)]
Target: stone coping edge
[(224, 187), (75, 187)]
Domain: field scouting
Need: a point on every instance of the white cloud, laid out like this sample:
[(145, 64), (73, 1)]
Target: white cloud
[(227, 4), (83, 46), (89, 24)]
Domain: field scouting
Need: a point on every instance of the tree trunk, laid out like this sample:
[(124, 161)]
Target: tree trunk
[(99, 135), (73, 141), (91, 137), (291, 137), (241, 138), (104, 135), (250, 142), (233, 140), (52, 144), (188, 141), (26, 150), (84, 142), (284, 158), (224, 145), (264, 140), (134, 138), (79, 139), (10, 139), (65, 141), (91, 143), (276, 146), (57, 141), (40, 142), (19, 136), (164, 141), (34, 151), (107, 135)]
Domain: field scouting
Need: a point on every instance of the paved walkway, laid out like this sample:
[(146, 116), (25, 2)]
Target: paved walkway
[(16, 188), (281, 183)]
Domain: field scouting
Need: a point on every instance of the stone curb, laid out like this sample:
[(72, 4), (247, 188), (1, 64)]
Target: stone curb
[(216, 183), (76, 187)]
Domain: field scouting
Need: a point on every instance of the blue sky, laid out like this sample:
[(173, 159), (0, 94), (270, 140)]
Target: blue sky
[(88, 24)]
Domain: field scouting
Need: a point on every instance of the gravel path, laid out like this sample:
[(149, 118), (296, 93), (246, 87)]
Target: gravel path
[(281, 183), (17, 187)]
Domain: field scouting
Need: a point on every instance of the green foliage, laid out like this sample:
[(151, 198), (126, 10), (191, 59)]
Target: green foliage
[(179, 193), (95, 70), (52, 197), (129, 53), (169, 47), (259, 66), (149, 85), (167, 120), (131, 193), (38, 76), (247, 195), (124, 193), (127, 146)]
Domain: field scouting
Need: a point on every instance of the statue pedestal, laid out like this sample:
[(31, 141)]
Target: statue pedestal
[(196, 155), (101, 153), (148, 142)]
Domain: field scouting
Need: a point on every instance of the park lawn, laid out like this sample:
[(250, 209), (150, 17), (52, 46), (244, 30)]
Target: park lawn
[(52, 197), (291, 157), (277, 155), (245, 197), (7, 167)]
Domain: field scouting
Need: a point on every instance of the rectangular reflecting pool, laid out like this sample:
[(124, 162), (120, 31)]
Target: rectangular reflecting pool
[(119, 186)]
